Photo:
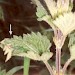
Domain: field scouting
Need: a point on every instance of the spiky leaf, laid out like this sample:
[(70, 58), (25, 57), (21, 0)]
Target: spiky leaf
[(34, 46)]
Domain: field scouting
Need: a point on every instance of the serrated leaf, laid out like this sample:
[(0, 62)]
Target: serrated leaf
[(41, 11), (32, 45), (37, 42), (8, 50)]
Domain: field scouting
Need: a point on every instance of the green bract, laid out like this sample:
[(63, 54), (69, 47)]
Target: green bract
[(34, 46)]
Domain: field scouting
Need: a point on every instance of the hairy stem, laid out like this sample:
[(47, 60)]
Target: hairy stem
[(49, 67), (67, 64), (26, 66)]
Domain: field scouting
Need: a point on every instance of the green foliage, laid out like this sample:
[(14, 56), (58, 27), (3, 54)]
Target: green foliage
[(2, 72), (41, 11), (72, 45), (71, 39), (10, 72), (37, 42), (31, 45), (16, 43)]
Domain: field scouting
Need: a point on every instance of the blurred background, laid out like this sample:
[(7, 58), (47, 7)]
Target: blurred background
[(21, 14)]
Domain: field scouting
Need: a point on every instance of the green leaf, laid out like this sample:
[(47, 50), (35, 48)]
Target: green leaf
[(37, 42), (35, 46), (41, 11)]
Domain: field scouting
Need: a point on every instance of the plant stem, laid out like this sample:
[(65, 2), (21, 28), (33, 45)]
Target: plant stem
[(58, 60), (48, 67), (59, 41), (26, 66), (67, 64)]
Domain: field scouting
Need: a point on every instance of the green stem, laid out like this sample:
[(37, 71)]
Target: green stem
[(26, 66)]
